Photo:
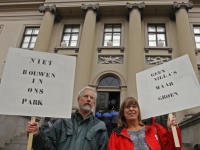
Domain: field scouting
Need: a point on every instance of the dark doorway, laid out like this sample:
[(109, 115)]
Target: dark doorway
[(104, 101), (162, 120)]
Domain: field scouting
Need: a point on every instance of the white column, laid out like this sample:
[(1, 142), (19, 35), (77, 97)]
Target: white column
[(84, 60), (185, 43), (135, 49), (185, 37), (43, 38)]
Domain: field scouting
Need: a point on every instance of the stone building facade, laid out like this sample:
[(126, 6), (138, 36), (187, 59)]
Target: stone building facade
[(112, 40)]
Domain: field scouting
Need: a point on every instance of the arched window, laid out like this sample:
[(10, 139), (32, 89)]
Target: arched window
[(109, 81)]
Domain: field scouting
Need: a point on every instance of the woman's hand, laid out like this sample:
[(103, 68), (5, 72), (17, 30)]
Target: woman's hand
[(172, 122)]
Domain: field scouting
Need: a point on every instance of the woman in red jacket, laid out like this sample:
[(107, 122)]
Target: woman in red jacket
[(132, 134)]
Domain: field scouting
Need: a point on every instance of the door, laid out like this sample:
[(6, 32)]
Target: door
[(102, 101)]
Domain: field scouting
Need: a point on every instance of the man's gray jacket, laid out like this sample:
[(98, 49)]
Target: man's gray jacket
[(60, 136)]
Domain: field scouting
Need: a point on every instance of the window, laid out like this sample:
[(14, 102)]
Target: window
[(29, 37), (197, 35), (112, 32), (70, 34), (109, 81), (157, 35)]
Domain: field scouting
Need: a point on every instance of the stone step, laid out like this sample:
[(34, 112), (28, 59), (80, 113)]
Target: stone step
[(24, 137), (11, 148), (19, 141), (16, 145)]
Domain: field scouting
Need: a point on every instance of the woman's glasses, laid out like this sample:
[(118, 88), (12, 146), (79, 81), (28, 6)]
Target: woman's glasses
[(129, 106)]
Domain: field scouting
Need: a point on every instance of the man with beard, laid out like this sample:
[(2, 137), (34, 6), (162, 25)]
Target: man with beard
[(82, 132)]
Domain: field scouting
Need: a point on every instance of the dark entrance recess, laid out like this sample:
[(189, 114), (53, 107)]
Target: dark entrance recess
[(103, 99), (162, 120)]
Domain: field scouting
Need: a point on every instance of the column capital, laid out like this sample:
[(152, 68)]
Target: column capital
[(178, 6), (52, 9), (94, 7), (186, 6), (43, 9), (139, 6)]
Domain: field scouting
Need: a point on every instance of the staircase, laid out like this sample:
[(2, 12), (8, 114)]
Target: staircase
[(13, 134), (17, 143)]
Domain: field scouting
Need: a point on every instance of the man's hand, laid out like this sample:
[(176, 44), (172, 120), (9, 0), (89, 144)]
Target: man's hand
[(32, 127), (172, 122)]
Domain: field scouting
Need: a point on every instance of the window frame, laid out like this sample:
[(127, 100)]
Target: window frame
[(195, 25), (156, 33), (106, 77), (24, 35), (78, 33), (112, 32)]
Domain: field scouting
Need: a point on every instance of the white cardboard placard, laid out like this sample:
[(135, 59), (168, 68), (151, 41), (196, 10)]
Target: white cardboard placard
[(37, 84), (168, 88)]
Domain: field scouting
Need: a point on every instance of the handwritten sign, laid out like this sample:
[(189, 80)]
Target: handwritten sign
[(37, 84), (168, 88)]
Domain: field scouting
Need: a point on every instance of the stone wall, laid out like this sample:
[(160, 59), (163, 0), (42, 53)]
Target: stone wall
[(190, 131), (11, 126)]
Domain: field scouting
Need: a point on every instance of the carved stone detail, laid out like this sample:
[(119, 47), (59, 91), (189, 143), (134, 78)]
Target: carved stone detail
[(52, 9), (93, 7), (139, 6), (111, 59), (43, 9), (157, 60), (187, 6)]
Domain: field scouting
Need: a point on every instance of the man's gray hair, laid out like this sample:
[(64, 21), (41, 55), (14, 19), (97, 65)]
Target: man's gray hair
[(88, 88)]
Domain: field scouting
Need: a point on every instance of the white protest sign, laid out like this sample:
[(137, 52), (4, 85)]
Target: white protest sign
[(168, 88), (37, 84)]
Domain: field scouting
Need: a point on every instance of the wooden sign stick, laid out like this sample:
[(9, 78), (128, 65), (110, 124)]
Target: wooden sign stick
[(30, 138), (175, 135)]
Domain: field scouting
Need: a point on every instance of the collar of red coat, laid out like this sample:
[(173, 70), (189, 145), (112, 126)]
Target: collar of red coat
[(123, 131)]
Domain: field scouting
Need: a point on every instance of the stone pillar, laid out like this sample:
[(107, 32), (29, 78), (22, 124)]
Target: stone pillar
[(185, 42), (185, 37), (44, 35), (123, 94), (84, 60), (135, 49)]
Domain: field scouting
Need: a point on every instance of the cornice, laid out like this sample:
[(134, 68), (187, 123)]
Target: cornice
[(105, 3), (21, 3), (26, 6), (78, 3)]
